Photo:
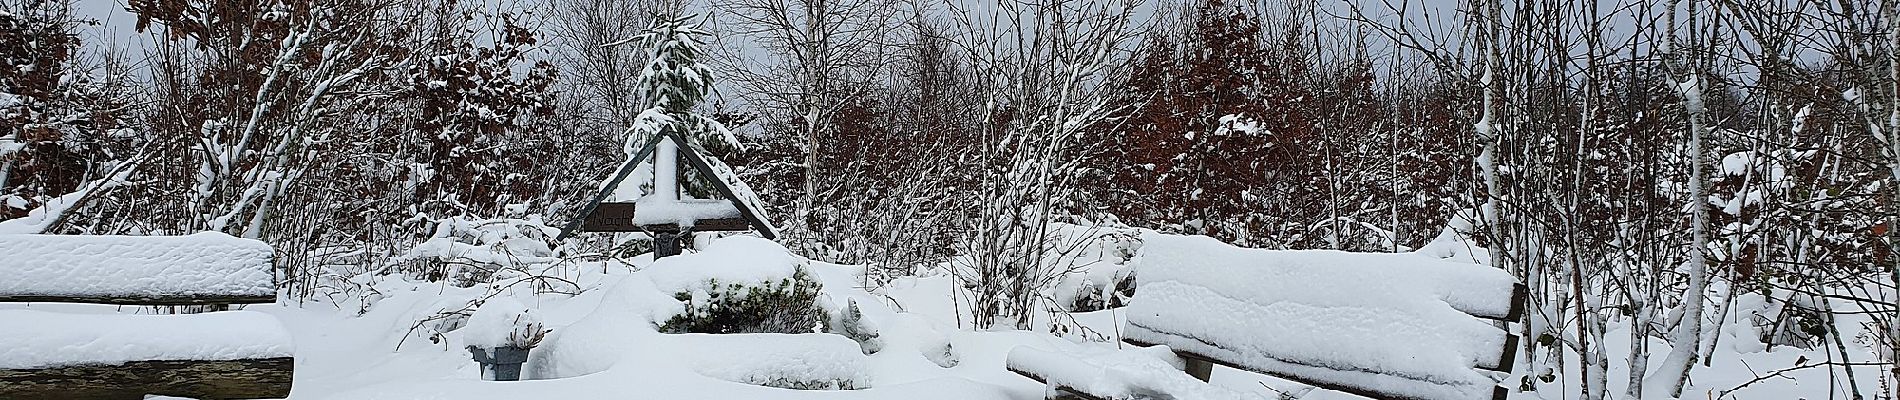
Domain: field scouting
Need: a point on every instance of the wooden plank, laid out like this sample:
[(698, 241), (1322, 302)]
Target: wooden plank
[(1505, 359), (1338, 388), (1199, 369), (608, 189), (618, 217), (1060, 392), (159, 300), (693, 158), (228, 379), (1520, 297), (610, 217)]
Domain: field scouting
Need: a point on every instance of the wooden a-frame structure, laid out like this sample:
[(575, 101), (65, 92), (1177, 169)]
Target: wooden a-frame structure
[(601, 216)]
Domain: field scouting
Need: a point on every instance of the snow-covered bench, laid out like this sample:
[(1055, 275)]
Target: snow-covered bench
[(215, 355), (1388, 326)]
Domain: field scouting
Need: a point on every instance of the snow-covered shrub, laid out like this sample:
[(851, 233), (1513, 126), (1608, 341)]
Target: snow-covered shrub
[(738, 284), (943, 354), (503, 322), (468, 251), (1094, 295), (787, 305), (850, 322), (1099, 276), (1795, 320)]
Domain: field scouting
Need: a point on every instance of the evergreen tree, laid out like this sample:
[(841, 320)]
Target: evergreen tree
[(674, 81)]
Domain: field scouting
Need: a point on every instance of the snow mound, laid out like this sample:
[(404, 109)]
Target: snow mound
[(744, 260), (794, 361), (1151, 372), (502, 322), (208, 263), (39, 339), (1399, 324)]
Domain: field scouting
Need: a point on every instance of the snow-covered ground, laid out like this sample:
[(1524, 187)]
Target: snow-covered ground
[(406, 339)]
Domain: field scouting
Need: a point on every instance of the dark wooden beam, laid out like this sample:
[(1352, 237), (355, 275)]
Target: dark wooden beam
[(227, 379), (1520, 297), (1505, 360), (693, 158), (618, 217), (626, 168), (1061, 392), (1366, 392), (180, 299)]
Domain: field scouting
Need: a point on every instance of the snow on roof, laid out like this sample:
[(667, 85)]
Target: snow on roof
[(206, 263), (39, 339), (742, 194), (631, 181), (1398, 324)]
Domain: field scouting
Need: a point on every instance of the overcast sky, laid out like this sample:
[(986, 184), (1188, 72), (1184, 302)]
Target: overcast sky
[(1428, 18)]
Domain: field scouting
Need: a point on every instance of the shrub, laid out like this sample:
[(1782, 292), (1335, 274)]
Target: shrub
[(785, 306)]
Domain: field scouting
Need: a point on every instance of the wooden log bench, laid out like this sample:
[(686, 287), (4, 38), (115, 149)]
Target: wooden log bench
[(72, 355), (1383, 326)]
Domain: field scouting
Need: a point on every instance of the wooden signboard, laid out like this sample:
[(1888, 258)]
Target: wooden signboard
[(618, 217)]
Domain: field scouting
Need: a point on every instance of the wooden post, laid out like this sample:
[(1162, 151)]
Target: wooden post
[(1199, 369), (666, 244)]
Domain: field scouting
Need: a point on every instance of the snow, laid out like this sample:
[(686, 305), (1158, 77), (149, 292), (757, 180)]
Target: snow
[(1239, 124), (805, 361), (502, 322), (9, 145), (604, 341), (1151, 372), (745, 260), (487, 242), (743, 195), (652, 210), (1393, 323), (40, 339), (1400, 281), (49, 211), (208, 263)]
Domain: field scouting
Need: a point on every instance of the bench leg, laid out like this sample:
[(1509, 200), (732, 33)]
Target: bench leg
[(1200, 369)]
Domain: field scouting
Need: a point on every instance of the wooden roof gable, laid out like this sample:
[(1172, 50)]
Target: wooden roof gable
[(601, 216)]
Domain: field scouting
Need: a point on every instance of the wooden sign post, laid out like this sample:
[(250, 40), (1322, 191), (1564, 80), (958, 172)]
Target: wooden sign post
[(668, 229)]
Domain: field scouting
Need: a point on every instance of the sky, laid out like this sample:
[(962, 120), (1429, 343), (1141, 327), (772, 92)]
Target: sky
[(1429, 19)]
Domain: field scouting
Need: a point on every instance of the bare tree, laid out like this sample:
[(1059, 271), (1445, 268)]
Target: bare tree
[(829, 50), (1039, 65)]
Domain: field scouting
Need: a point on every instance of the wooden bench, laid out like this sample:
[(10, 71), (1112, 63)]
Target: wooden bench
[(1384, 326), (69, 355)]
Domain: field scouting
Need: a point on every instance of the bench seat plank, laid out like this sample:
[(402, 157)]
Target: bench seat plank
[(203, 268), (1115, 374), (33, 339)]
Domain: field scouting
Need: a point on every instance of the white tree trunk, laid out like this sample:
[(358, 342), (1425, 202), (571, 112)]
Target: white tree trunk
[(1687, 337), (1893, 144)]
